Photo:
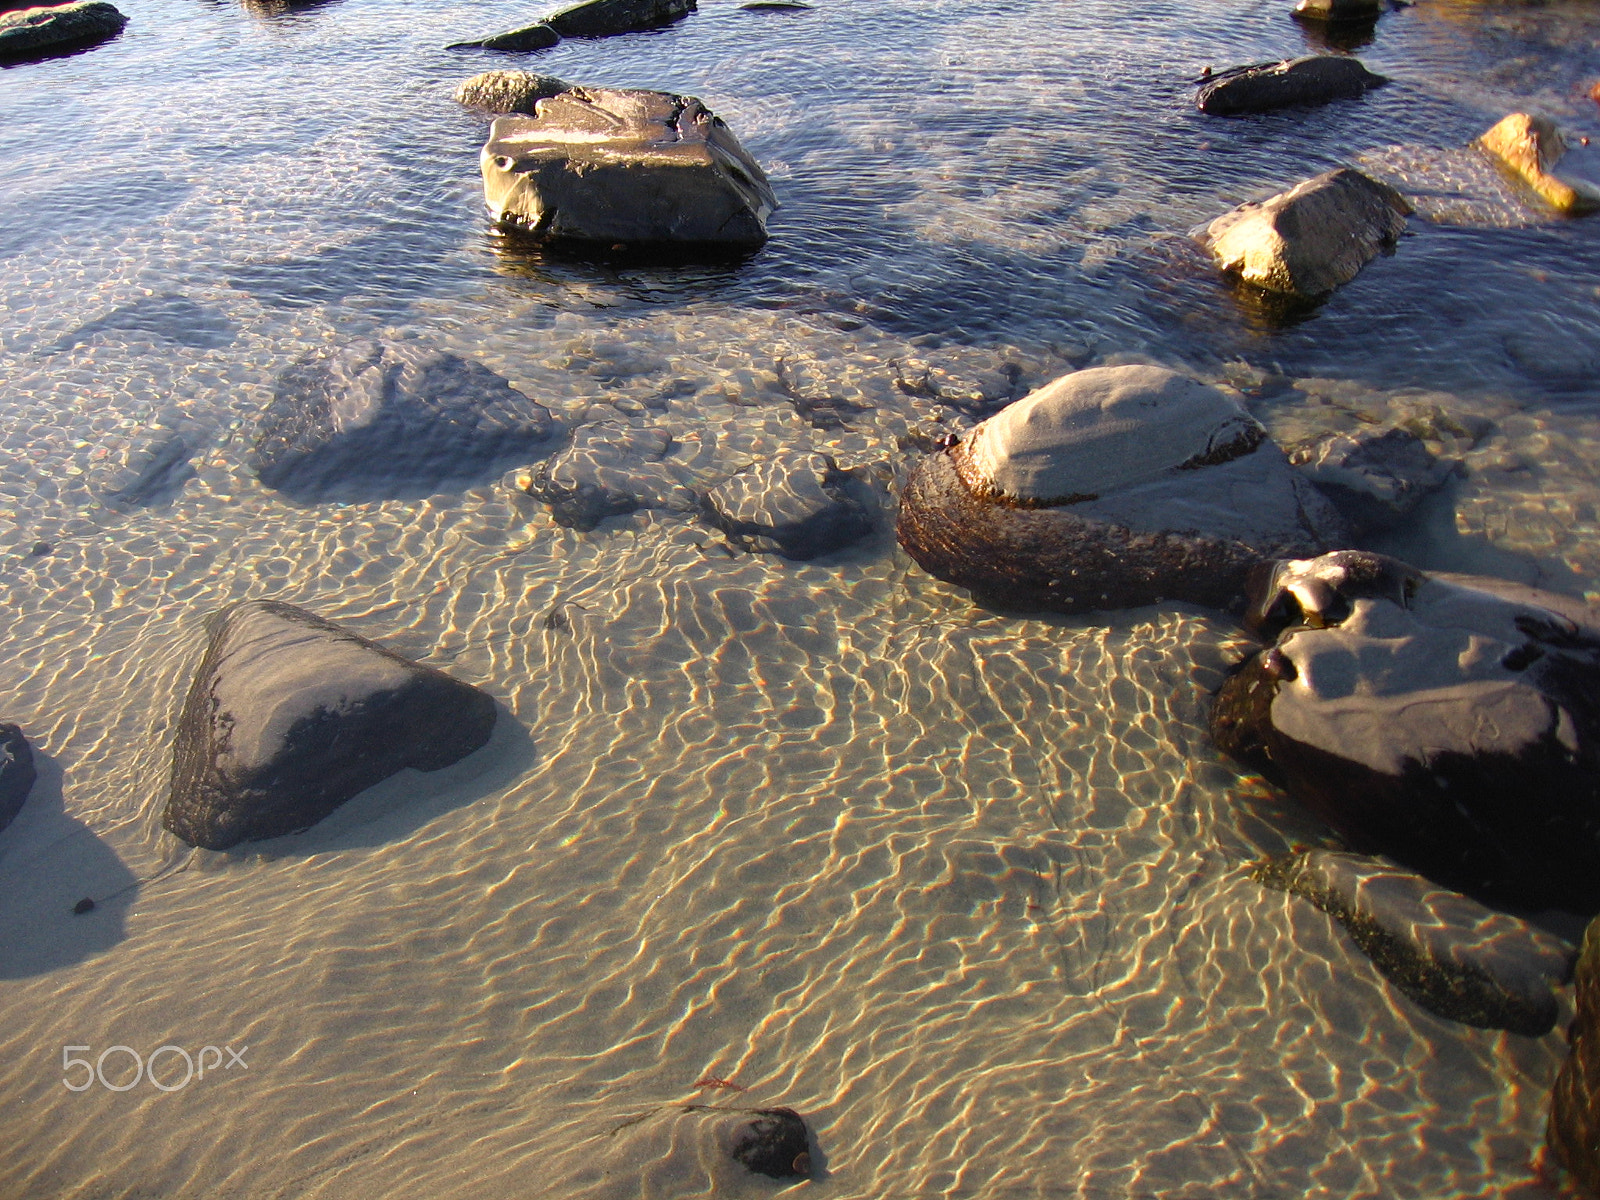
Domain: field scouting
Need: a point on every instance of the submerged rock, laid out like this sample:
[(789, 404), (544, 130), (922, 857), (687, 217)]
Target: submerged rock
[(607, 470), (1307, 241), (400, 414), (1314, 79), (508, 91), (1455, 957), (1450, 723), (17, 773), (538, 36), (289, 716), (699, 1150), (1374, 477), (1573, 1132), (1110, 488), (32, 32), (605, 18), (639, 168), (794, 504), (1528, 147)]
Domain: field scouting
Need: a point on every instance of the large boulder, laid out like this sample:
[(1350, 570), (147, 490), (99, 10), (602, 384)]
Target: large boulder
[(1528, 147), (33, 32), (1453, 956), (795, 504), (1110, 488), (1307, 241), (289, 716), (1573, 1133), (640, 168), (1450, 723), (604, 18), (17, 773), (508, 91), (1314, 79), (402, 414)]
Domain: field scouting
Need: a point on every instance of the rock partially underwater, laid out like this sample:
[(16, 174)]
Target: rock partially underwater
[(1573, 1133), (1450, 954), (1313, 79), (795, 504), (289, 716), (588, 19), (1375, 477), (37, 32), (17, 773), (508, 91), (1110, 488), (1450, 723), (1529, 147), (605, 166)]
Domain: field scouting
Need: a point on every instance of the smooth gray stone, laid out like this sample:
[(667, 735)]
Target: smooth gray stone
[(508, 91), (538, 36), (289, 716), (1450, 954), (1313, 79), (17, 773), (637, 168), (31, 32), (604, 18), (1310, 239), (396, 413), (1374, 477), (794, 504), (607, 470)]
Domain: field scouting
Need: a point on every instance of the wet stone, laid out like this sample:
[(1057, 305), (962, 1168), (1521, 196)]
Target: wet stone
[(1529, 147), (606, 18), (289, 716), (1454, 956), (1573, 1132), (538, 36), (36, 32), (610, 469), (1314, 79), (794, 504), (701, 1149), (508, 91), (1375, 477), (17, 772)]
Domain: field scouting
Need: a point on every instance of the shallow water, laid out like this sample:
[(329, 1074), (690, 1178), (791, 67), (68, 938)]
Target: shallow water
[(967, 889)]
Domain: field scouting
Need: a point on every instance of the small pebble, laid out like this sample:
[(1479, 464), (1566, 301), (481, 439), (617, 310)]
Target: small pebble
[(83, 906), (40, 549)]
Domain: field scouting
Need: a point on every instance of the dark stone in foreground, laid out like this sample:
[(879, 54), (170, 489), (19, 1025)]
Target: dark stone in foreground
[(1573, 1133), (605, 18), (773, 1143), (36, 32), (793, 504), (289, 716), (1450, 954), (398, 413), (508, 91), (1450, 723), (538, 36), (17, 772), (1314, 79), (700, 1150)]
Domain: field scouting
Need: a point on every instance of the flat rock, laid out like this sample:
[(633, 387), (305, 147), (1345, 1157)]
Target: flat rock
[(605, 18), (1573, 1132), (1528, 147), (289, 716), (1110, 488), (508, 91), (794, 504), (1313, 79), (638, 168), (1452, 955), (17, 773), (33, 32), (1311, 239), (403, 414), (1375, 477), (1448, 722), (538, 36), (611, 469)]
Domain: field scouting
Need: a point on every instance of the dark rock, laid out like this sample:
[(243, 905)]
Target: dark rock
[(538, 36), (697, 1149), (508, 91), (610, 469), (397, 413), (17, 772), (1338, 10), (1314, 79), (794, 504), (289, 716), (605, 167), (777, 6), (1450, 954), (1307, 241), (86, 905), (36, 32), (1374, 477), (1110, 488), (773, 1143), (1450, 723), (604, 18), (1573, 1133)]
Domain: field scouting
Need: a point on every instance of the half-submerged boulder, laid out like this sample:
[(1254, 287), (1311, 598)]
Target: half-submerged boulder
[(606, 18), (1111, 488), (35, 32), (1339, 10), (1453, 956), (289, 716), (538, 36), (17, 773), (1528, 147), (1307, 241), (377, 411), (606, 166), (794, 504), (1573, 1133), (508, 91), (1450, 723), (1314, 79)]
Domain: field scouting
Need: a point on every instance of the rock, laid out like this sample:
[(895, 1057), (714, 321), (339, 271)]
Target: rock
[(1338, 10), (1448, 722), (508, 91), (1374, 477), (1307, 241), (777, 6), (391, 412), (604, 18), (289, 716), (1528, 147), (157, 463), (1314, 79), (696, 1150), (1110, 488), (538, 36), (794, 504), (606, 166), (610, 469), (166, 318), (1455, 957), (1573, 1133), (17, 774), (32, 32), (772, 1143)]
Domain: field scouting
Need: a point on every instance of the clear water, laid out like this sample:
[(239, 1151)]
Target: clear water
[(965, 889)]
